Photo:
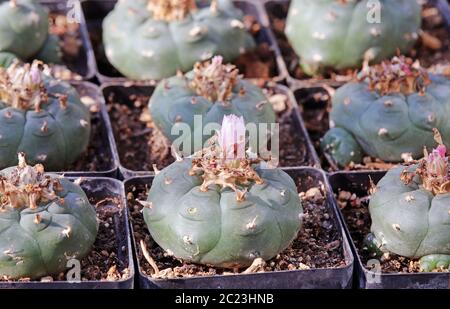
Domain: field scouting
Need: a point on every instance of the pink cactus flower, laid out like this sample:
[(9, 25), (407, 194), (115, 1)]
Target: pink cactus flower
[(232, 138), (35, 75), (437, 162)]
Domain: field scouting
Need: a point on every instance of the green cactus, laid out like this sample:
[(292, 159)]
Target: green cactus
[(24, 31), (340, 34), (42, 117), (45, 220), (152, 39), (410, 211), (390, 113), (212, 90), (223, 207), (6, 59)]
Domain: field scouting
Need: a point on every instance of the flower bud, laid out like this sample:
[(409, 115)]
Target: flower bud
[(232, 137)]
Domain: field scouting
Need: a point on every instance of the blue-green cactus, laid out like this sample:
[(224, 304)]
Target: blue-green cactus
[(389, 114), (340, 34), (212, 90), (410, 211), (152, 39), (222, 207), (42, 117), (24, 31), (45, 220)]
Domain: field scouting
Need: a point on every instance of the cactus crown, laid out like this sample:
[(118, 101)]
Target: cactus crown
[(432, 169), (214, 80), (21, 86), (27, 186), (225, 162), (170, 10), (399, 75)]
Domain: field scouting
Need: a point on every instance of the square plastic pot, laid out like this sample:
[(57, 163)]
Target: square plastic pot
[(274, 6), (359, 183), (96, 10), (123, 91), (319, 278), (105, 139), (84, 64), (100, 188)]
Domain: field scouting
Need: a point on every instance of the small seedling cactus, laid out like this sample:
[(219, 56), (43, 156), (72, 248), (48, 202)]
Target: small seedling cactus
[(340, 34), (152, 39), (389, 113), (40, 116), (45, 220), (222, 206), (24, 32), (212, 90), (410, 211)]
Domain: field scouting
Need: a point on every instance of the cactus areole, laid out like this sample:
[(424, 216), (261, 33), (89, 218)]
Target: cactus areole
[(410, 211), (40, 116), (152, 39), (340, 34), (45, 220), (24, 32), (223, 206), (389, 113), (208, 93)]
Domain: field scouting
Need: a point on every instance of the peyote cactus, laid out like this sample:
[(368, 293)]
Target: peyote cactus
[(340, 34), (24, 31), (410, 211), (222, 206), (152, 39), (388, 114), (212, 90), (45, 220), (40, 116)]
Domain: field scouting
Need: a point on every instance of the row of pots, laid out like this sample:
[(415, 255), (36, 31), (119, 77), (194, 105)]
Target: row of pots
[(353, 272)]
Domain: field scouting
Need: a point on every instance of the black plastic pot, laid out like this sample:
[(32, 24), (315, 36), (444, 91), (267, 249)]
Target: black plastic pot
[(122, 92), (320, 278), (314, 104), (100, 188), (106, 147), (96, 10), (358, 183), (84, 65), (275, 6)]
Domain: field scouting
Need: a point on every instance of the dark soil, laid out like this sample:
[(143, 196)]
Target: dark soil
[(104, 262), (427, 49), (354, 207), (139, 148), (259, 63), (98, 155), (318, 244)]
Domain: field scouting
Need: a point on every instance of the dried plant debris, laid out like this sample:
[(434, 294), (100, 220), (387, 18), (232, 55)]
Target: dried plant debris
[(318, 245), (258, 62), (105, 261)]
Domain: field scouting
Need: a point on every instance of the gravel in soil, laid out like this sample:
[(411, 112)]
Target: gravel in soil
[(140, 145), (103, 262), (355, 209), (318, 244), (432, 48)]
